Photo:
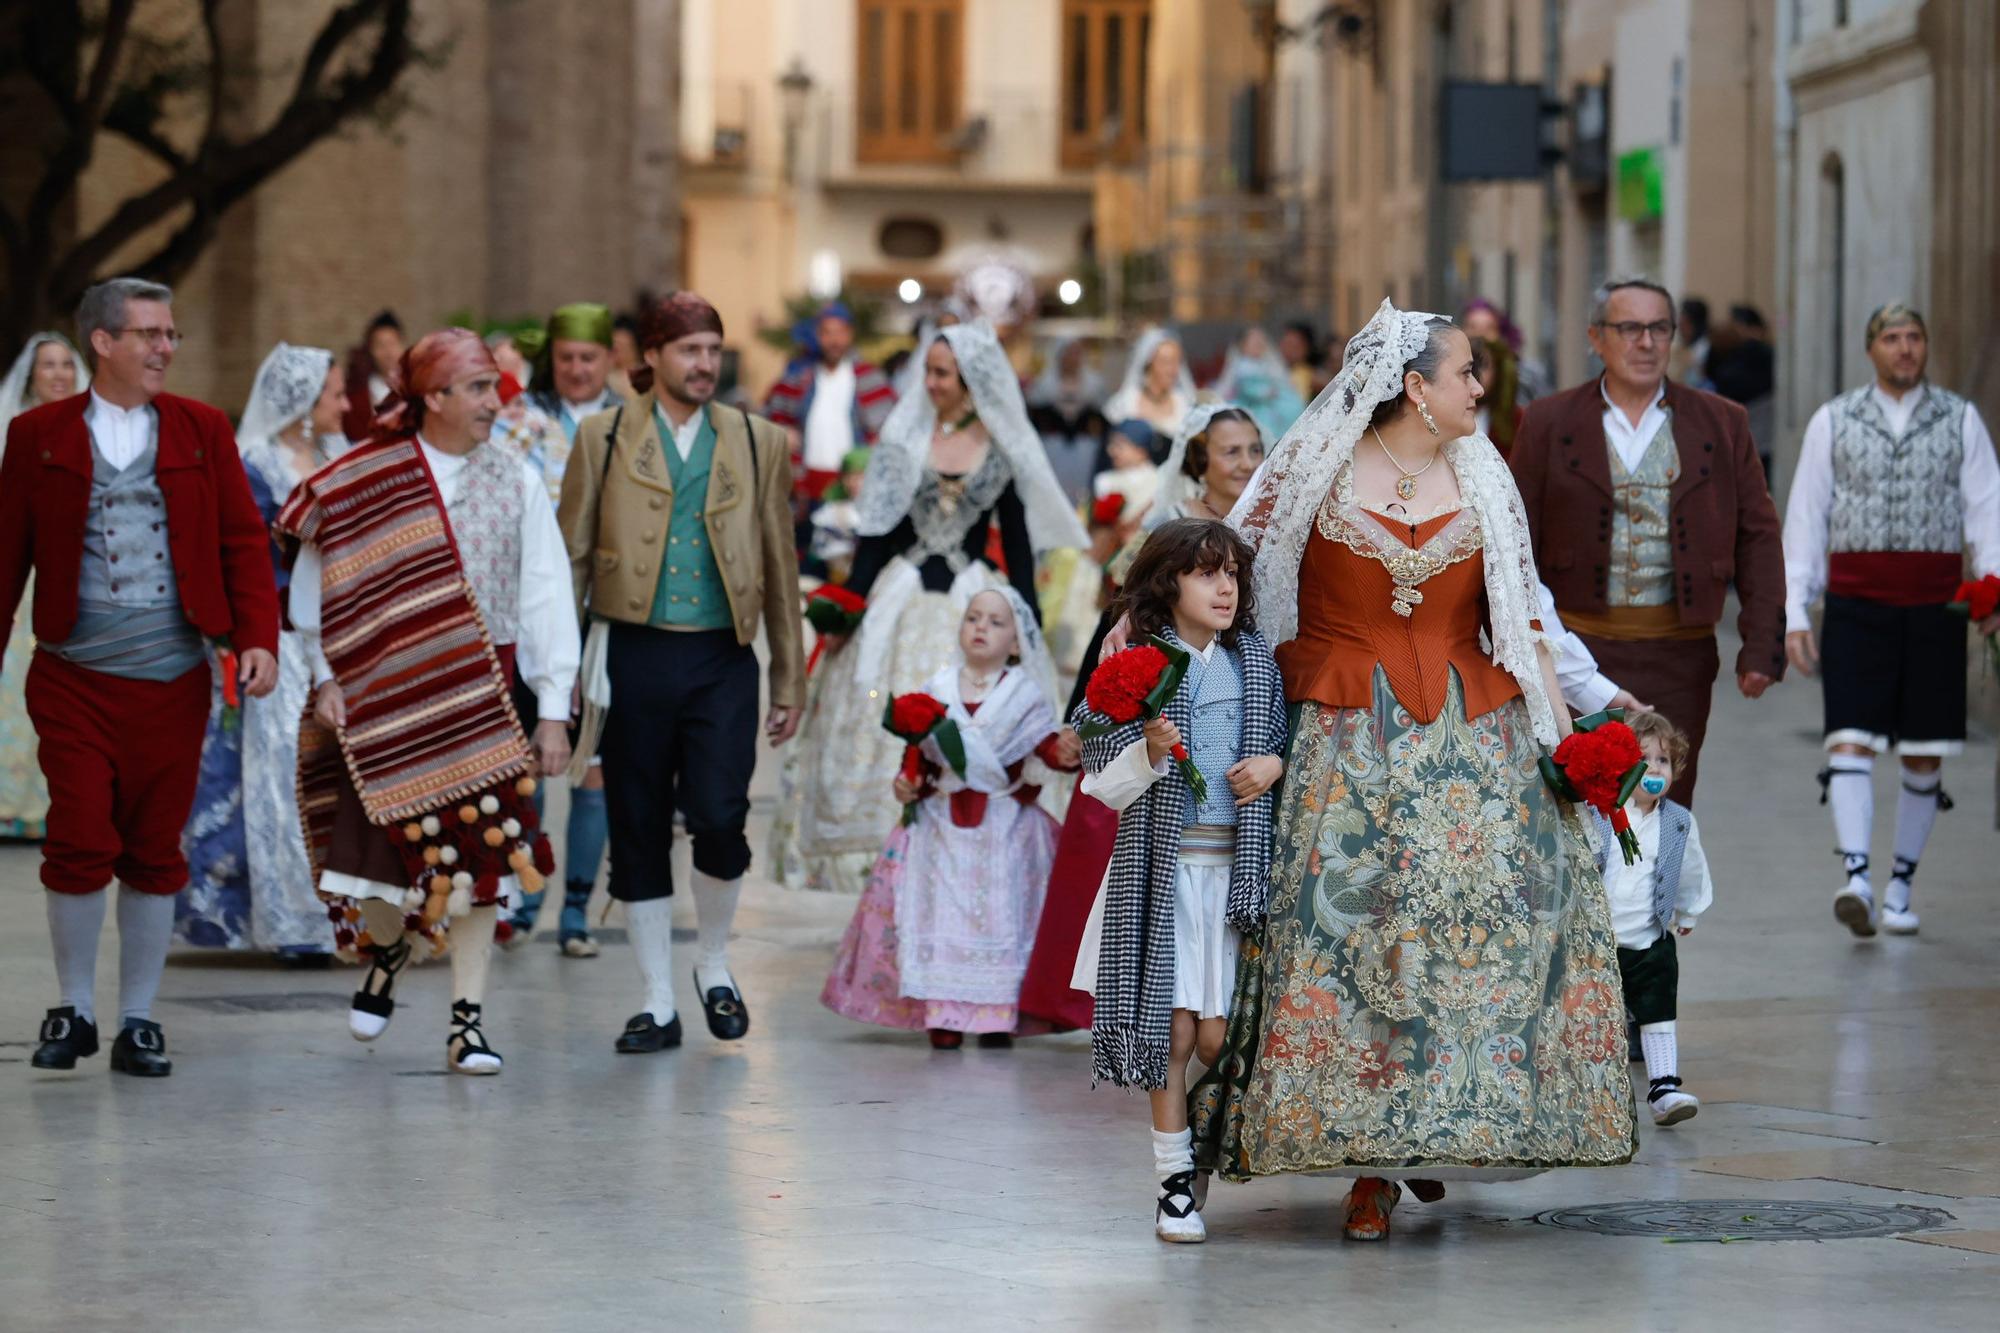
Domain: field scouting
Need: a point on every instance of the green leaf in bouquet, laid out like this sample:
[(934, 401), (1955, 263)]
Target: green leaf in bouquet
[(1557, 781), (1170, 680), (950, 744), (1630, 782)]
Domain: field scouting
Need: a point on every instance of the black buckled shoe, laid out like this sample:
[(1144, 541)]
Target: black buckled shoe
[(141, 1051), (642, 1036), (728, 1016), (65, 1039)]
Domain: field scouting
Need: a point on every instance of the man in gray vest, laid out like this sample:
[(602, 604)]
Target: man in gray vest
[(1896, 482), (130, 508)]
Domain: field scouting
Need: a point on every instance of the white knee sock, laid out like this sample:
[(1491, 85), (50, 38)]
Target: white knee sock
[(1662, 1051), (1916, 812), (652, 927), (714, 912), (471, 950), (1850, 790), (145, 928), (75, 922), (1172, 1152)]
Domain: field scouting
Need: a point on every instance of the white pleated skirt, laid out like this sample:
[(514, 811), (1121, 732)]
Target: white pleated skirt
[(1205, 944)]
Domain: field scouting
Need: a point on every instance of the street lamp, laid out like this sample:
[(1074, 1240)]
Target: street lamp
[(795, 86)]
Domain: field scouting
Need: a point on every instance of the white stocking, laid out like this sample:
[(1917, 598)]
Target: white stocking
[(651, 924), (714, 912), (471, 948)]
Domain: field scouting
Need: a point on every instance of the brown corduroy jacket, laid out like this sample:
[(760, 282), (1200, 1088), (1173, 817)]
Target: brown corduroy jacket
[(1724, 525)]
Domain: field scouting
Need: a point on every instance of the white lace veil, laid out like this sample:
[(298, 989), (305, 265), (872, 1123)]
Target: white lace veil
[(1176, 488), (1034, 647), (902, 449), (1277, 510), (1238, 362), (287, 385), (910, 378), (1124, 403), (14, 389)]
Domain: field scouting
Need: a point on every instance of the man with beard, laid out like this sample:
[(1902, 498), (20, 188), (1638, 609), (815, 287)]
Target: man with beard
[(676, 516), (1895, 482), (428, 583), (130, 508)]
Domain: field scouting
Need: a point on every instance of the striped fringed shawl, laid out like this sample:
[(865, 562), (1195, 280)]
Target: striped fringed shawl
[(1132, 1025), (429, 716)]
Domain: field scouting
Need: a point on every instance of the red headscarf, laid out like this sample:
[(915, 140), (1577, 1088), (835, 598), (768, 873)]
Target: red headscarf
[(434, 362), (670, 319)]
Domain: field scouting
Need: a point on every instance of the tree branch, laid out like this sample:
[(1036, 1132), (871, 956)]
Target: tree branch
[(225, 172), (217, 67), (69, 160)]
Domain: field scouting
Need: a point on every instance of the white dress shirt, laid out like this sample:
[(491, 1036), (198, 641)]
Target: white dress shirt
[(548, 650), (830, 420), (120, 433), (574, 413), (685, 434), (1630, 888), (1632, 441), (1809, 508)]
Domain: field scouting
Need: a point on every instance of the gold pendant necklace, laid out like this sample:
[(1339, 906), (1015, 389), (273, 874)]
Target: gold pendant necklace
[(1406, 485)]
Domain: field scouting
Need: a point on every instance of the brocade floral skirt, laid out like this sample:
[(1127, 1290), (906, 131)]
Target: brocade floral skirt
[(1437, 991)]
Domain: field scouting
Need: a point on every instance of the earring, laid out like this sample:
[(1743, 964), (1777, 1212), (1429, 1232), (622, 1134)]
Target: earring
[(1424, 411)]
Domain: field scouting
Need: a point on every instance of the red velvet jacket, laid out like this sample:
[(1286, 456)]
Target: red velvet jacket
[(1724, 526), (220, 548)]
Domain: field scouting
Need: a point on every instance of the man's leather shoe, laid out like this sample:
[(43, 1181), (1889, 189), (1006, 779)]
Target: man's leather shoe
[(642, 1036), (728, 1016), (65, 1039), (141, 1051)]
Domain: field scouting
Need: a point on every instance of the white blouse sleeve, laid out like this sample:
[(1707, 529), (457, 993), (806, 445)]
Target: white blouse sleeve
[(302, 604), (1979, 485), (1125, 779), (1807, 511), (1584, 687), (550, 647)]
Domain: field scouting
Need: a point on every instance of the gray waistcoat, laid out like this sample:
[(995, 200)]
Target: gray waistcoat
[(1895, 493), (1667, 858), (1642, 562), (1215, 731), (129, 621)]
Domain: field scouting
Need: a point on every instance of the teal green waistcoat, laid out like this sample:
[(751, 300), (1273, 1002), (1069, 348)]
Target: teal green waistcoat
[(690, 594)]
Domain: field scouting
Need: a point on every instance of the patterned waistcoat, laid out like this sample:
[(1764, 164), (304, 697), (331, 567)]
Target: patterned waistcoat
[(1894, 493), (486, 524), (1642, 562)]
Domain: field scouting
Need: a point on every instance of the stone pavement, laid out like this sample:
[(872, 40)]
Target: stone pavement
[(825, 1176)]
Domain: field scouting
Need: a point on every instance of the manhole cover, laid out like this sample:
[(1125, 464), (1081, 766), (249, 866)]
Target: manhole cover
[(283, 1002), (1745, 1219)]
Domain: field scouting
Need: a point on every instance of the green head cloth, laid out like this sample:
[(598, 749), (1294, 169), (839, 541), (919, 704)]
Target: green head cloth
[(854, 460), (580, 321)]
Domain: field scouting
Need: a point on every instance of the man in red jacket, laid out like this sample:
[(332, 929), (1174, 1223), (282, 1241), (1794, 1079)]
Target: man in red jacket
[(1646, 503), (130, 508)]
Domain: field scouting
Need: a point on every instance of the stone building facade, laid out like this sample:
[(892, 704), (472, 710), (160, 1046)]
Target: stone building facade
[(530, 164)]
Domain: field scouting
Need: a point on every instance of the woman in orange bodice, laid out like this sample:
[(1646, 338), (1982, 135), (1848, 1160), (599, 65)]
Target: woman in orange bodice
[(1435, 995)]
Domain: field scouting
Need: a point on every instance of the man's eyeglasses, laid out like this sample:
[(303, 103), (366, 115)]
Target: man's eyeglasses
[(1633, 332), (171, 337)]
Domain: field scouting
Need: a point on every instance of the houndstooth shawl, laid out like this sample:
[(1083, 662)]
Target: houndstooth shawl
[(1132, 1029)]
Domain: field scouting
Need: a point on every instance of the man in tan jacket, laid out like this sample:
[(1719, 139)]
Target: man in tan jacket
[(676, 512)]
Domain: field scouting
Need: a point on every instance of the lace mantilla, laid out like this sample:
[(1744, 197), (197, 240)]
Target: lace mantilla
[(1176, 490), (287, 385), (14, 388), (900, 460), (1281, 505)]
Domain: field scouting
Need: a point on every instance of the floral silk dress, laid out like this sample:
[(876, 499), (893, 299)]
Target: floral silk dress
[(1436, 994)]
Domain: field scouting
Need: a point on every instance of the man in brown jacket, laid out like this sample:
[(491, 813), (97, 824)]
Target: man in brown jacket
[(1646, 501), (677, 516)]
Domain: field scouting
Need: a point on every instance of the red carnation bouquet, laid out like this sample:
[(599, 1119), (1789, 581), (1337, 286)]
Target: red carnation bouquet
[(1977, 601), (1134, 686), (914, 718), (1106, 510), (1600, 764), (832, 609)]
